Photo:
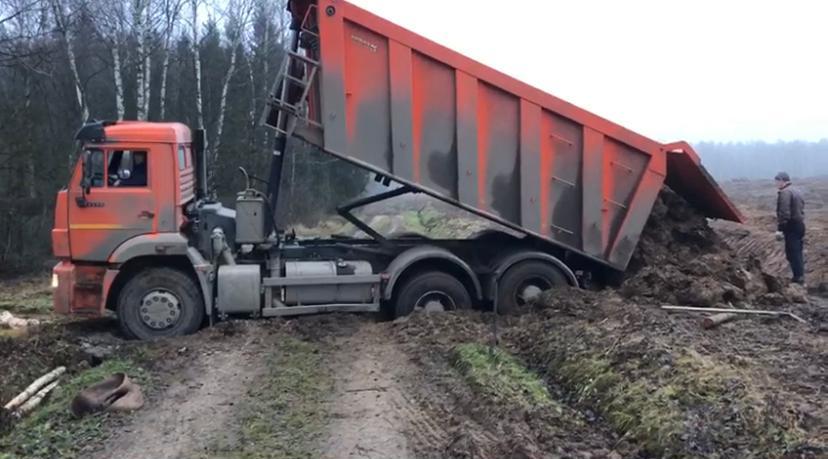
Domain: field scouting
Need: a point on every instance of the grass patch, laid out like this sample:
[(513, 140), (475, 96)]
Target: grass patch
[(496, 374), (284, 414), (51, 431), (670, 402), (31, 295)]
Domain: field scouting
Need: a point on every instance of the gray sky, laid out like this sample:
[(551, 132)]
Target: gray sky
[(691, 70)]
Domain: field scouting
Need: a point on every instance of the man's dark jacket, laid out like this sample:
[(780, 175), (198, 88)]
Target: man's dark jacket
[(790, 207)]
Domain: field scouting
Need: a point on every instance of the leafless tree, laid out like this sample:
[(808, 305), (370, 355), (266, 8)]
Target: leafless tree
[(112, 26), (142, 26), (171, 11), (20, 27), (65, 29), (238, 16), (195, 44)]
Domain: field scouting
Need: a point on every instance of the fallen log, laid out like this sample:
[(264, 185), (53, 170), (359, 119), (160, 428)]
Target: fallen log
[(34, 388), (736, 311), (35, 399), (717, 319)]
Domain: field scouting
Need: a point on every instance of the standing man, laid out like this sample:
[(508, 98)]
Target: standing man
[(790, 217)]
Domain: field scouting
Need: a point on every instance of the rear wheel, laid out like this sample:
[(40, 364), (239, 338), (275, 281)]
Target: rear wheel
[(431, 291), (524, 282), (160, 302)]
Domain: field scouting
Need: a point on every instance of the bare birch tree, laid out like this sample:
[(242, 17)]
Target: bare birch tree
[(65, 30), (197, 65), (238, 19), (141, 23), (111, 26), (171, 12)]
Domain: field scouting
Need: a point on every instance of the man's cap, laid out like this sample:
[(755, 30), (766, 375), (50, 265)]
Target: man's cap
[(783, 176)]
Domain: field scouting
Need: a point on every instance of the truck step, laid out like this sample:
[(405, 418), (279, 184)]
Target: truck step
[(319, 309)]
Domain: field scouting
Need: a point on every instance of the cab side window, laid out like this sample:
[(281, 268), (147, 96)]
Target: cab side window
[(182, 158), (127, 168)]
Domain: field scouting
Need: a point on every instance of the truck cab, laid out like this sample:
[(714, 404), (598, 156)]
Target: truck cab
[(124, 206)]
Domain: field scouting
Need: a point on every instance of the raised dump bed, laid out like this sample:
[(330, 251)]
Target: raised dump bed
[(380, 96)]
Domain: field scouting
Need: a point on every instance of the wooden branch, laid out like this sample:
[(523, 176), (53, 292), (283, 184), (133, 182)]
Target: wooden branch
[(33, 402), (736, 311), (35, 387), (369, 389)]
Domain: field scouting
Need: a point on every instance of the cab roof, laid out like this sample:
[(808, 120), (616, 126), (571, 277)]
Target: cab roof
[(143, 131), (134, 131)]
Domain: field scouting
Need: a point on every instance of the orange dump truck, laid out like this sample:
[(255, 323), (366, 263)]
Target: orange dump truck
[(136, 233)]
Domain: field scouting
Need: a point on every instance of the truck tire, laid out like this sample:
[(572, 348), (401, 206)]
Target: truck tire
[(158, 303), (431, 290), (523, 282)]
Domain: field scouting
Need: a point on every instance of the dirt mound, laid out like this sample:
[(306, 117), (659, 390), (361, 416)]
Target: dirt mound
[(681, 260), (749, 389), (491, 412)]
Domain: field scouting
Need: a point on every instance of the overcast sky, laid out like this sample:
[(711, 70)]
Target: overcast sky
[(692, 70)]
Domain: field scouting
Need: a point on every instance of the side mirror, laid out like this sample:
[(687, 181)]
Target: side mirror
[(86, 180)]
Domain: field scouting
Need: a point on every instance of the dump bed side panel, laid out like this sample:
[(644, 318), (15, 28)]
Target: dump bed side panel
[(404, 106)]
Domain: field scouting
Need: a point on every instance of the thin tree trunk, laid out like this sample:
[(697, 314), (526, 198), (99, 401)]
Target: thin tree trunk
[(231, 69), (147, 59), (197, 65), (266, 73), (165, 65), (30, 156), (140, 74), (251, 111), (119, 81), (68, 37), (73, 66)]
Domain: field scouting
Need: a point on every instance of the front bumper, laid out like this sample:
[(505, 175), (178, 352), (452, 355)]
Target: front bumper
[(80, 289)]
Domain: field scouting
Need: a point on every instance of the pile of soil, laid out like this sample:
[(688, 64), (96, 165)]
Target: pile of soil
[(652, 383), (747, 389), (632, 380), (681, 260), (481, 426)]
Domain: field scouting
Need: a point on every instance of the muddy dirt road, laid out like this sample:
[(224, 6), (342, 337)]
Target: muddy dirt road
[(372, 410), (194, 406)]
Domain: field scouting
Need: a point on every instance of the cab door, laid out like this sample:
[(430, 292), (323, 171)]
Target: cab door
[(119, 202)]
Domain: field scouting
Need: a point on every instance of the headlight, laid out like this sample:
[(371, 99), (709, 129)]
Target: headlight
[(55, 281)]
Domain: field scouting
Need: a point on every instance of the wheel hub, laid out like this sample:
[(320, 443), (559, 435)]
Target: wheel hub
[(160, 309), (435, 301), (530, 289), (530, 292)]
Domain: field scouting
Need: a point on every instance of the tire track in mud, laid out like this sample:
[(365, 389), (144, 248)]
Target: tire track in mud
[(393, 399), (196, 407), (372, 412)]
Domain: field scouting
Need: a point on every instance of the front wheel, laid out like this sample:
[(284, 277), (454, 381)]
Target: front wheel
[(431, 291), (158, 303), (524, 282)]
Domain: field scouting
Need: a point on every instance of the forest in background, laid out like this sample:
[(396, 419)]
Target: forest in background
[(203, 63), (763, 160)]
